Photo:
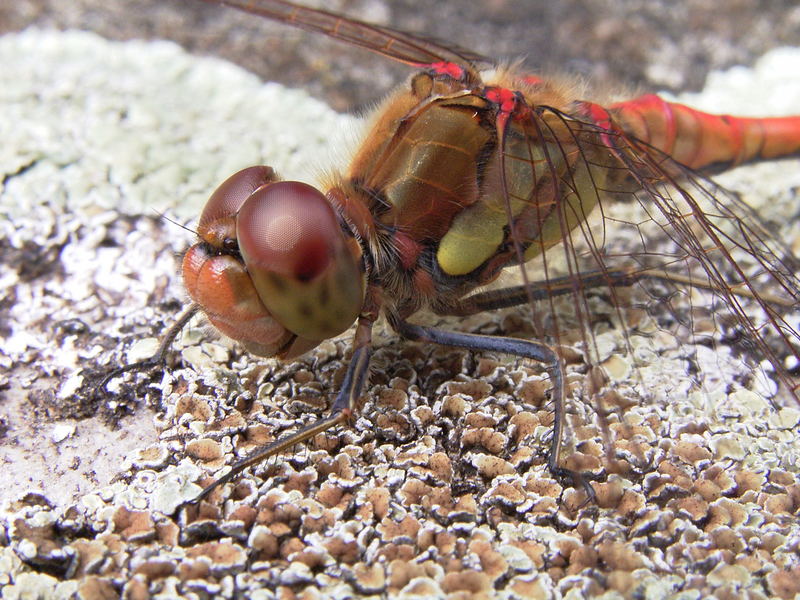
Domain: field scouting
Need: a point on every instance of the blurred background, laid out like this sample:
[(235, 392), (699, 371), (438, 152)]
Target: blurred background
[(641, 45)]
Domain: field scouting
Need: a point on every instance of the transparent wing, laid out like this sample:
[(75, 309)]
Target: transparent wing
[(644, 246), (398, 45), (651, 272)]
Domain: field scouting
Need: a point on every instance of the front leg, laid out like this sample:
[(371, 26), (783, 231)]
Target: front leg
[(340, 413)]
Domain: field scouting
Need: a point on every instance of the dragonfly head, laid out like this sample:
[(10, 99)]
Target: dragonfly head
[(276, 267)]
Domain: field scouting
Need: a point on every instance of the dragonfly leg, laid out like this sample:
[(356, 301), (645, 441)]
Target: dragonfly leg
[(524, 348), (559, 286), (160, 356), (541, 290), (340, 412)]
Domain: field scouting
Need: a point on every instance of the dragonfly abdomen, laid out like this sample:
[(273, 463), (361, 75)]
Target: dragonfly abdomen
[(701, 140)]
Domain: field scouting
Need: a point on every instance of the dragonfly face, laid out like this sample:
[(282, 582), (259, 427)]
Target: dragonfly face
[(276, 269)]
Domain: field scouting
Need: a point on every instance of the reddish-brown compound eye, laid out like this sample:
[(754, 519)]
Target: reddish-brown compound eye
[(228, 198), (288, 228), (307, 271)]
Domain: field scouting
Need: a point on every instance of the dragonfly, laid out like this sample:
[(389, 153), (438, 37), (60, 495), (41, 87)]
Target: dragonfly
[(470, 170)]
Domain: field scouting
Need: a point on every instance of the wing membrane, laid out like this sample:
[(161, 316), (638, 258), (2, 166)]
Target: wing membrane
[(407, 48), (700, 261)]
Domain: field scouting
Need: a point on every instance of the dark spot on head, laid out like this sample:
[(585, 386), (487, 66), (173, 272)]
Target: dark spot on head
[(324, 293), (314, 257), (304, 309), (276, 282)]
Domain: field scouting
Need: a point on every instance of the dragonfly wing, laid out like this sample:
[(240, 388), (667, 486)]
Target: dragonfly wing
[(408, 48), (700, 262)]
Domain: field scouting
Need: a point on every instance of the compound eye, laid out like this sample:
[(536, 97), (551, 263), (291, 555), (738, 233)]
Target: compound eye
[(306, 269), (228, 198), (288, 228)]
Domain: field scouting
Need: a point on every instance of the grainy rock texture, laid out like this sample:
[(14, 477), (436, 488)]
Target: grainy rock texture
[(438, 490)]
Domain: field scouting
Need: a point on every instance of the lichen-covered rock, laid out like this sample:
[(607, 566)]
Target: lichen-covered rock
[(440, 487)]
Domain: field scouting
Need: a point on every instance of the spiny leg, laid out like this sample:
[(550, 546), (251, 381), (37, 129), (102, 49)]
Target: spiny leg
[(524, 348), (340, 412), (560, 286)]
